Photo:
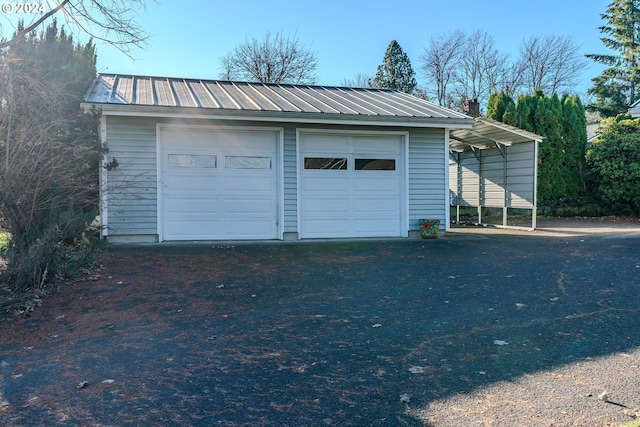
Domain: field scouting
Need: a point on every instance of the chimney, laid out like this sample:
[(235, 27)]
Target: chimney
[(472, 107)]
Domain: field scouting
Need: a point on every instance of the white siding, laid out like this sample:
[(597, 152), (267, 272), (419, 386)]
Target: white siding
[(453, 178), (427, 193), (470, 177), (521, 174), (483, 181), (492, 178), (132, 188), (132, 204), (290, 181)]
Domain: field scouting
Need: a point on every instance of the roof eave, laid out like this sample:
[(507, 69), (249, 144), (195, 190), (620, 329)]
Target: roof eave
[(108, 109)]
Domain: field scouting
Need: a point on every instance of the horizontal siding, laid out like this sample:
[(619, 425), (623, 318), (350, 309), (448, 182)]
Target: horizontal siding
[(521, 175), (470, 180), (453, 178), (492, 189), (427, 192), (483, 183), (290, 181), (132, 186)]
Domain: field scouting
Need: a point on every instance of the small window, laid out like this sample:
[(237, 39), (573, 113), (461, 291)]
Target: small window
[(325, 163), (375, 164), (191, 161), (247, 162)]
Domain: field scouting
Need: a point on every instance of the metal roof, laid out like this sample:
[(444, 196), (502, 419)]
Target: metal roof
[(115, 92), (487, 133)]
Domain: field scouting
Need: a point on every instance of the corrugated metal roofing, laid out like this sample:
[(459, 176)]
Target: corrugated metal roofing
[(486, 133), (130, 90)]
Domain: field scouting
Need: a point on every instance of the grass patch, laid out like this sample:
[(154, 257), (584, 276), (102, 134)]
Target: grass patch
[(5, 239), (635, 423)]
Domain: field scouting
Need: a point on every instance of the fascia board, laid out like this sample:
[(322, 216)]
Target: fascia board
[(311, 118)]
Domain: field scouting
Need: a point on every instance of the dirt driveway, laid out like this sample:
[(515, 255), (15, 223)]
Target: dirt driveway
[(480, 327)]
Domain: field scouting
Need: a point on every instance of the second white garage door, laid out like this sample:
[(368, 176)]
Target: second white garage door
[(218, 184), (351, 185)]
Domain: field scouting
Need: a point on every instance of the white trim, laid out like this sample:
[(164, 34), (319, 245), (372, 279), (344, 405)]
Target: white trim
[(159, 194), (280, 182), (298, 174), (216, 128), (447, 189), (534, 210), (264, 116), (103, 180), (404, 184)]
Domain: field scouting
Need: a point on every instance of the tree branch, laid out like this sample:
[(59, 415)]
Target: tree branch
[(35, 24)]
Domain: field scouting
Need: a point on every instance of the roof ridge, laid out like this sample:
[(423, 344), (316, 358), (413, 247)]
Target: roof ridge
[(311, 85)]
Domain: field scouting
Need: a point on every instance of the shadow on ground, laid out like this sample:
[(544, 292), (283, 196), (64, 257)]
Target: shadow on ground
[(342, 333)]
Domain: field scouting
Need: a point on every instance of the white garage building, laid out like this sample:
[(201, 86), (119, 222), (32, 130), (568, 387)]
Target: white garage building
[(220, 160)]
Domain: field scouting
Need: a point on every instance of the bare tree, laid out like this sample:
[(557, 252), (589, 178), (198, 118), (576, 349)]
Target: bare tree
[(277, 59), (511, 79), (360, 80), (110, 21), (440, 64), (481, 68), (551, 63)]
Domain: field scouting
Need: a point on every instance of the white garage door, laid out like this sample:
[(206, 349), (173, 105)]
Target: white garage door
[(218, 184), (351, 185)]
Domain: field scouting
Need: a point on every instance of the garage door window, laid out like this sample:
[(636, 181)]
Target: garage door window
[(336, 163), (247, 162), (375, 164), (199, 161)]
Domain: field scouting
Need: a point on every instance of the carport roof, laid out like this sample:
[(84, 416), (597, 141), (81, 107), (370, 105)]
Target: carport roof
[(487, 133), (133, 95)]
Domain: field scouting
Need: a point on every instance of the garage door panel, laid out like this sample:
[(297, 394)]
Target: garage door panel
[(192, 230), (378, 182), (326, 204), (251, 184), (238, 141), (365, 202), (321, 144), (372, 227), (196, 186), (339, 181), (185, 206), (378, 207), (329, 227), (249, 206), (236, 199), (376, 145)]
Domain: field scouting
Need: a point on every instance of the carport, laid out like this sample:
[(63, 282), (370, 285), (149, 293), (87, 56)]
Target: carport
[(493, 165)]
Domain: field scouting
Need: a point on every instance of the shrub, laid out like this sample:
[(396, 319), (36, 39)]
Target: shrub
[(614, 165)]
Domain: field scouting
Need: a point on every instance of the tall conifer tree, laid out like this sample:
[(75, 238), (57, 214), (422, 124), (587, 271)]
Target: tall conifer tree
[(396, 72), (617, 87)]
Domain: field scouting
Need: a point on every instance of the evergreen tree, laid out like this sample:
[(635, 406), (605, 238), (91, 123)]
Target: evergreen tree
[(574, 139), (49, 152), (614, 163), (563, 124), (498, 105), (510, 115), (547, 122), (616, 88), (396, 72)]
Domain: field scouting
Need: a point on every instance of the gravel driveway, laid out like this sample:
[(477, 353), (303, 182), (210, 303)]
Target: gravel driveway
[(481, 327)]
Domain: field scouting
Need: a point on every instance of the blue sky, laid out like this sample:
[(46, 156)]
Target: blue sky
[(188, 37)]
